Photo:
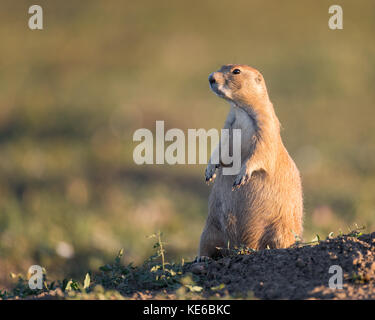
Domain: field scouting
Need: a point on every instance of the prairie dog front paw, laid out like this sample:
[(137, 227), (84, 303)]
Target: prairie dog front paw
[(210, 172), (241, 179)]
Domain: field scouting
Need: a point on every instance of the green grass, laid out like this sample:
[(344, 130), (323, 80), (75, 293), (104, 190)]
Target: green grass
[(118, 281)]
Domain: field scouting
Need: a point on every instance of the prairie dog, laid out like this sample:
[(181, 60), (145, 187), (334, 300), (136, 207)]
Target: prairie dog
[(262, 206)]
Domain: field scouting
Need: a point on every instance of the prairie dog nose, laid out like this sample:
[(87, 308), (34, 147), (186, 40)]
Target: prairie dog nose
[(211, 78)]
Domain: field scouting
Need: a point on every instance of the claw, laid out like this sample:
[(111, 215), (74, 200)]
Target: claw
[(208, 180), (210, 174), (240, 181)]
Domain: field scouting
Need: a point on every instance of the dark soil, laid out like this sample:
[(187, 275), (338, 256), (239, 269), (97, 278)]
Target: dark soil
[(296, 273)]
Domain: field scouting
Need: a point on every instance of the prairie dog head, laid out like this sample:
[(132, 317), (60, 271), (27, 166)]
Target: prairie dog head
[(239, 84)]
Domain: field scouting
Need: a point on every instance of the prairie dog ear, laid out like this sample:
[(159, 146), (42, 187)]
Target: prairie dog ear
[(258, 78)]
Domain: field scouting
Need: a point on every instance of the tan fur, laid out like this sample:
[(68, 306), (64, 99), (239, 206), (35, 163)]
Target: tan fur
[(262, 206)]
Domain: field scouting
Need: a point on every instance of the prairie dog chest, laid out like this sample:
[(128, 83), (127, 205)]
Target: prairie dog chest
[(243, 121)]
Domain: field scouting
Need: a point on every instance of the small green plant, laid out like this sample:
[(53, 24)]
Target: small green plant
[(159, 246), (73, 285), (356, 231), (154, 273)]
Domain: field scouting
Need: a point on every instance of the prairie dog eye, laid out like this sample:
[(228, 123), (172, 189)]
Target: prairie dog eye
[(236, 71)]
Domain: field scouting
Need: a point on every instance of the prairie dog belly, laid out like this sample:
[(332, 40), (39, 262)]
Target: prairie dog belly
[(231, 209)]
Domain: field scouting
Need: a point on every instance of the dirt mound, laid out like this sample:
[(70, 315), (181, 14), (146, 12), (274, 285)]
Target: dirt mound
[(296, 273), (301, 272)]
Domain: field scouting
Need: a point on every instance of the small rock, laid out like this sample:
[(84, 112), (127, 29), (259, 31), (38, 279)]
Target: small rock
[(198, 268), (300, 263)]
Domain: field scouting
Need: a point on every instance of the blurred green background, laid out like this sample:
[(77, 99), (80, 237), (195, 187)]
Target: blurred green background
[(72, 95)]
